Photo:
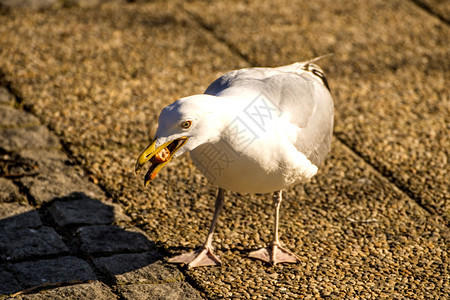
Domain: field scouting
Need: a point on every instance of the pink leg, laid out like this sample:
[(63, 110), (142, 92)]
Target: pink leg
[(203, 256), (275, 253)]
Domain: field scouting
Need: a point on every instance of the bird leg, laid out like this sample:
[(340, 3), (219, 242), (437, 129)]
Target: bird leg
[(275, 253), (203, 256)]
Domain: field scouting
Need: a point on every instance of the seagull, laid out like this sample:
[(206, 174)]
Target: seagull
[(254, 130)]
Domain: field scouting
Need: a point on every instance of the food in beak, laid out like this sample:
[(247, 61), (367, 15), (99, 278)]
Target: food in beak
[(158, 157), (161, 156)]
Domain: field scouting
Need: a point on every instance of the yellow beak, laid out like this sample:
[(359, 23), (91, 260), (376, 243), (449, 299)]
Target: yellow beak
[(150, 151)]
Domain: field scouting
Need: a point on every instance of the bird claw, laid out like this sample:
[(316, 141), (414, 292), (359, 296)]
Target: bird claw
[(275, 254), (198, 258)]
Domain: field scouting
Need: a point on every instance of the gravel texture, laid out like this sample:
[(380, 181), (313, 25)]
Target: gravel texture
[(372, 224), (388, 77)]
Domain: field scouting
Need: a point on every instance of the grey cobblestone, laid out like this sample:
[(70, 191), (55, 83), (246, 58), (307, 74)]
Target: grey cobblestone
[(12, 117), (66, 269), (57, 178), (26, 243), (82, 210), (31, 137), (16, 216), (112, 239), (8, 283), (138, 268)]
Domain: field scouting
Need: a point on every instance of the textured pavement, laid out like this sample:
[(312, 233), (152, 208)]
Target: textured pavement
[(80, 90)]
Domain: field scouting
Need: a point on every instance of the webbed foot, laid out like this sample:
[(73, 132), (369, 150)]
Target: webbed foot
[(198, 258), (275, 254)]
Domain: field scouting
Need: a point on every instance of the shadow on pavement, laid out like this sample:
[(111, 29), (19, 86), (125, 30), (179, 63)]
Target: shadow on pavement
[(71, 239)]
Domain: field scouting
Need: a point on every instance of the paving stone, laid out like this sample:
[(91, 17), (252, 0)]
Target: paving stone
[(58, 178), (59, 270), (22, 243), (8, 283), (111, 239), (51, 160), (6, 98), (85, 211), (47, 187), (167, 291), (13, 117), (30, 137), (138, 268), (86, 291), (16, 216), (9, 192)]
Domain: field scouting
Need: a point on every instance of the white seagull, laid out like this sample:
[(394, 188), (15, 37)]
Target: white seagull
[(254, 130)]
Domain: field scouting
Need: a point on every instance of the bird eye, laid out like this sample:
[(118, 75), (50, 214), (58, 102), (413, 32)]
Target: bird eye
[(186, 124)]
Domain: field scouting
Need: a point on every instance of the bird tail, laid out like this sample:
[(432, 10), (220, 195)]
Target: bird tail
[(306, 62), (302, 65), (308, 66)]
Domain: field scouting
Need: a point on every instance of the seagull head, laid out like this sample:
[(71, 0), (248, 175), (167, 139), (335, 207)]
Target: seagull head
[(182, 126)]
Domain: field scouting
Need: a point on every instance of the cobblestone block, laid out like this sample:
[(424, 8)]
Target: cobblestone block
[(167, 291), (25, 243), (84, 211), (58, 178), (9, 192), (8, 284), (47, 187), (112, 239), (17, 215), (138, 268), (27, 138), (86, 291), (60, 270), (12, 117)]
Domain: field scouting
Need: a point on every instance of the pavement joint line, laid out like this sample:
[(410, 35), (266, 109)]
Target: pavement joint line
[(394, 183), (197, 19), (430, 11), (384, 176)]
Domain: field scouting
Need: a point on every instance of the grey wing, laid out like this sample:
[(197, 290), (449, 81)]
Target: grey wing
[(222, 83), (315, 118), (306, 99), (250, 78), (310, 107)]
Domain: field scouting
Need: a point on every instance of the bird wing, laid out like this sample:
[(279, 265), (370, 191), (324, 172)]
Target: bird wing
[(299, 89)]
